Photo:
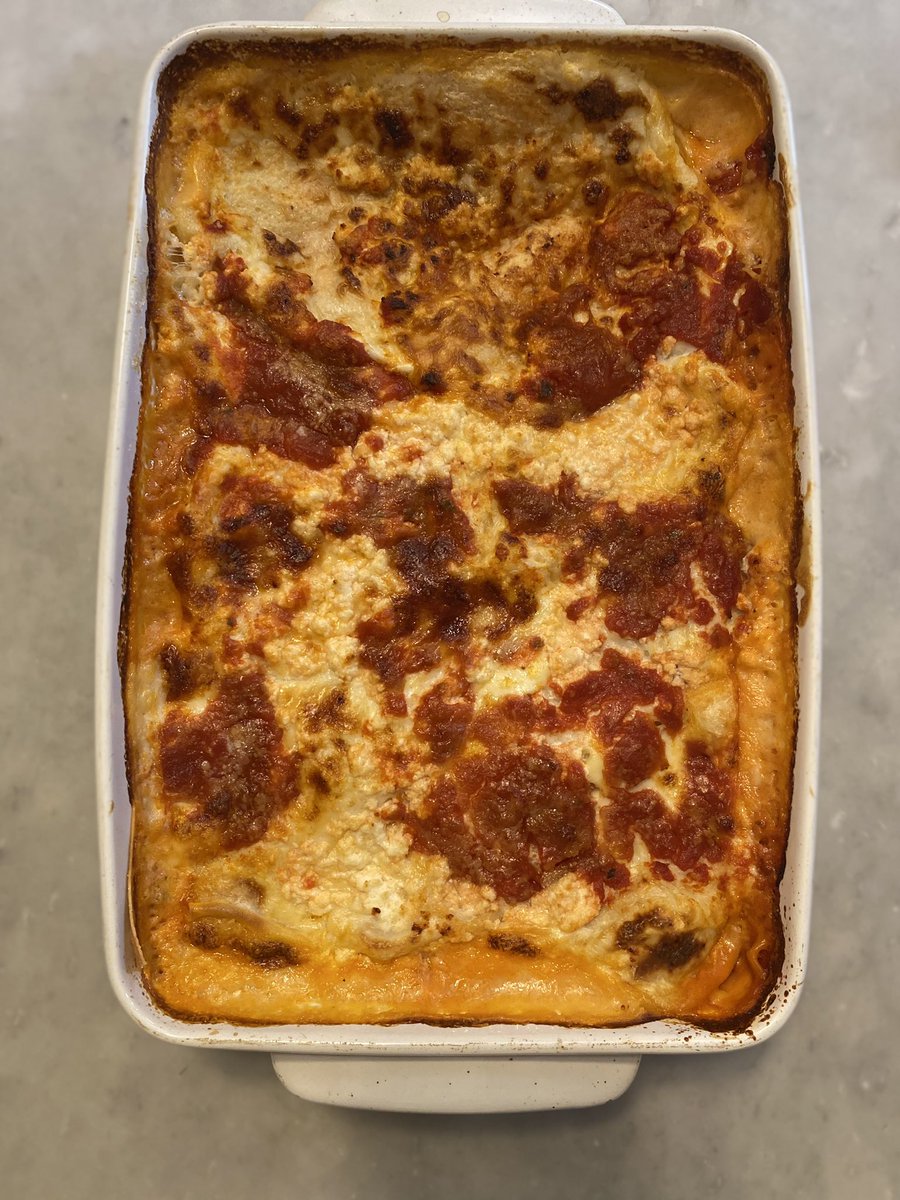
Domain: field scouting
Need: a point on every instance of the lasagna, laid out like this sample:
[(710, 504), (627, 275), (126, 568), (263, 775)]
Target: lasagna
[(458, 644)]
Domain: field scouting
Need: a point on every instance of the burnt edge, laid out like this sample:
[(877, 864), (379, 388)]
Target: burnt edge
[(165, 100), (214, 51)]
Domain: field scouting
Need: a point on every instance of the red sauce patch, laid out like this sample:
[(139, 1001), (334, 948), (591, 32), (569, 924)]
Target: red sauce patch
[(585, 365), (760, 155), (636, 753), (299, 387), (512, 820), (638, 227), (727, 178), (425, 532), (579, 367), (437, 614), (403, 509), (576, 610), (532, 509), (442, 719), (259, 542), (649, 554), (655, 271), (184, 672), (609, 695), (701, 829), (512, 719), (229, 761)]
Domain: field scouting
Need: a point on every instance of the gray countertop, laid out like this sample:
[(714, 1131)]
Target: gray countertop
[(93, 1107)]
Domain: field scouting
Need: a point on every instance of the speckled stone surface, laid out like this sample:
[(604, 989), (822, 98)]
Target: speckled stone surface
[(90, 1106)]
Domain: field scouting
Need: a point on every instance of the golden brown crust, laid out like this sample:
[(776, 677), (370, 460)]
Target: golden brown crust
[(460, 616)]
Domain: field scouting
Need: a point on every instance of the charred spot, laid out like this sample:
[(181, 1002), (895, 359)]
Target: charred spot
[(202, 935), (178, 565), (356, 214), (433, 381), (287, 112), (184, 673), (448, 154), (319, 783), (598, 101), (351, 278), (650, 939), (329, 712), (240, 105), (373, 243), (594, 193), (393, 126), (283, 249), (541, 169), (282, 302), (554, 93), (712, 484), (217, 226), (447, 197), (669, 952), (622, 138), (509, 943), (396, 306), (253, 890), (318, 136), (271, 955)]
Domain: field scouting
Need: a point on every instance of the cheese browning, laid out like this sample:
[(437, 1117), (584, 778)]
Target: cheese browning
[(459, 674)]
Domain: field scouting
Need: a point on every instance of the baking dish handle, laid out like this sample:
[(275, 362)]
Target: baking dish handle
[(464, 12), (458, 1084)]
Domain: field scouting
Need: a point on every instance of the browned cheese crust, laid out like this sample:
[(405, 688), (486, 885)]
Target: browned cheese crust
[(459, 635)]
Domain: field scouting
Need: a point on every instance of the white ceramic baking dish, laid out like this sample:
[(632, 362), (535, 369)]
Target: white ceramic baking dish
[(419, 1067)]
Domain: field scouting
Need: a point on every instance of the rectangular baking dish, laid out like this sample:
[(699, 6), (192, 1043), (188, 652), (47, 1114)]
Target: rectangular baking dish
[(567, 18)]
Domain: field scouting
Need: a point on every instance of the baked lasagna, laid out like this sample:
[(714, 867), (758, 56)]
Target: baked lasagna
[(458, 644)]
